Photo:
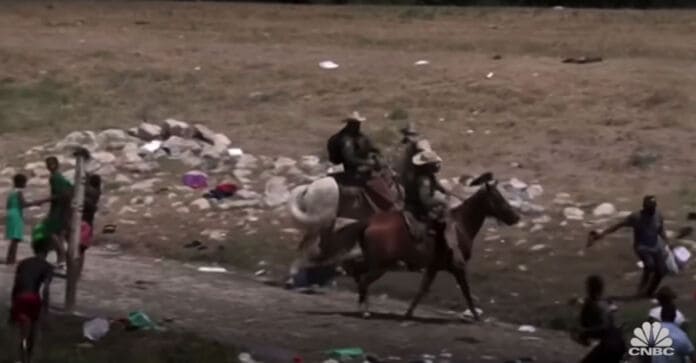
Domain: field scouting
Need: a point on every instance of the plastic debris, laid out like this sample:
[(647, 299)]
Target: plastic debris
[(212, 269), (234, 152), (152, 146), (526, 329), (490, 75), (95, 329), (140, 320), (195, 179), (346, 353), (421, 62), (328, 65)]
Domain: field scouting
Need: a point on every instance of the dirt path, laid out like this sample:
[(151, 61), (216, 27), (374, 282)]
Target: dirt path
[(233, 308)]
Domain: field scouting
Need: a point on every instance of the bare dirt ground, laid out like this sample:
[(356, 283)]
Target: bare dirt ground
[(232, 308), (251, 71)]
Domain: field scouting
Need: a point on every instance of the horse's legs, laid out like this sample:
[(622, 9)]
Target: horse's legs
[(427, 280), (364, 282), (460, 274)]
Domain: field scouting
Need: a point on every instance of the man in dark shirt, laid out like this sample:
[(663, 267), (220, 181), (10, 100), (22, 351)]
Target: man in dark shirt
[(648, 226), (597, 323), (30, 294)]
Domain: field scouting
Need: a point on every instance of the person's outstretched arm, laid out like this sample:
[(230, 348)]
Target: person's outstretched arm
[(595, 236)]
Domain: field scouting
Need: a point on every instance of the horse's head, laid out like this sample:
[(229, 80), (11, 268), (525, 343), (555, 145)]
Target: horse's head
[(494, 203)]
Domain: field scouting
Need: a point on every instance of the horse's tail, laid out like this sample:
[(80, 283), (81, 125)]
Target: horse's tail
[(315, 204)]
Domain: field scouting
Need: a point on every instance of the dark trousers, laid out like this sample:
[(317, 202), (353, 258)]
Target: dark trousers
[(610, 349), (654, 270)]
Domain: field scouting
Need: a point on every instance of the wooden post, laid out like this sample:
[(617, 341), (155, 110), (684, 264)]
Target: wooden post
[(81, 156)]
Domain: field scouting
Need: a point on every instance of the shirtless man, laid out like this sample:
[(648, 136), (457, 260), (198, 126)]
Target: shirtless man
[(30, 294)]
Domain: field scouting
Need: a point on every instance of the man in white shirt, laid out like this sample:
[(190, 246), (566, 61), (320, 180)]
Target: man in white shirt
[(683, 348)]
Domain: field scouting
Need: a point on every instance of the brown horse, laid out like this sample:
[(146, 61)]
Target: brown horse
[(386, 241)]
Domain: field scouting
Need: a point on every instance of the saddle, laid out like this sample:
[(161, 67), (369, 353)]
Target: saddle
[(416, 228)]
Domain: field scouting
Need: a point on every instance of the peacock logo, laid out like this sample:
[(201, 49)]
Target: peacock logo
[(651, 340)]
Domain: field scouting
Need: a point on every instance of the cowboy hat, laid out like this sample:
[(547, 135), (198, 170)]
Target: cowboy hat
[(426, 157), (409, 130), (355, 117)]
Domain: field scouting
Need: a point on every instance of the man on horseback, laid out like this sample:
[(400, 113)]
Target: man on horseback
[(421, 198), (355, 151)]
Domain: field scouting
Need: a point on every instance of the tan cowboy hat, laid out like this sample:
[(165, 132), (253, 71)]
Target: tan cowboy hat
[(426, 157), (355, 116)]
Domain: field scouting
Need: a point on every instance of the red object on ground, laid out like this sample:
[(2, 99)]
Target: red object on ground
[(297, 359), (26, 308), (227, 188)]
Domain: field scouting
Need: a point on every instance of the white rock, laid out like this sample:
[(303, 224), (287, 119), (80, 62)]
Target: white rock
[(148, 200), (247, 194), (534, 191), (246, 161), (172, 127), (147, 185), (113, 139), (127, 209), (8, 171), (191, 160), (276, 192), (204, 133), (37, 182), (230, 204), (542, 220), (241, 175), (623, 214), (131, 153), (103, 157), (537, 247), (522, 268), (177, 146), (573, 213), (201, 204), (76, 139), (123, 179), (111, 201), (148, 131), (213, 152), (104, 170), (221, 141), (536, 228), (604, 209), (517, 184), (310, 163), (182, 210), (283, 163)]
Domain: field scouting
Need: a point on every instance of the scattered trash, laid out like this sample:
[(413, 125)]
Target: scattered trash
[(526, 329), (152, 146), (109, 229), (95, 329), (192, 244), (421, 62), (195, 179), (222, 191), (212, 269), (260, 272), (346, 353), (682, 256), (328, 65), (490, 75), (245, 358), (140, 320), (582, 60), (234, 152)]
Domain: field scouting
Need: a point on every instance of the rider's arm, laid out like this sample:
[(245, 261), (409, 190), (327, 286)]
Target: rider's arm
[(424, 193)]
